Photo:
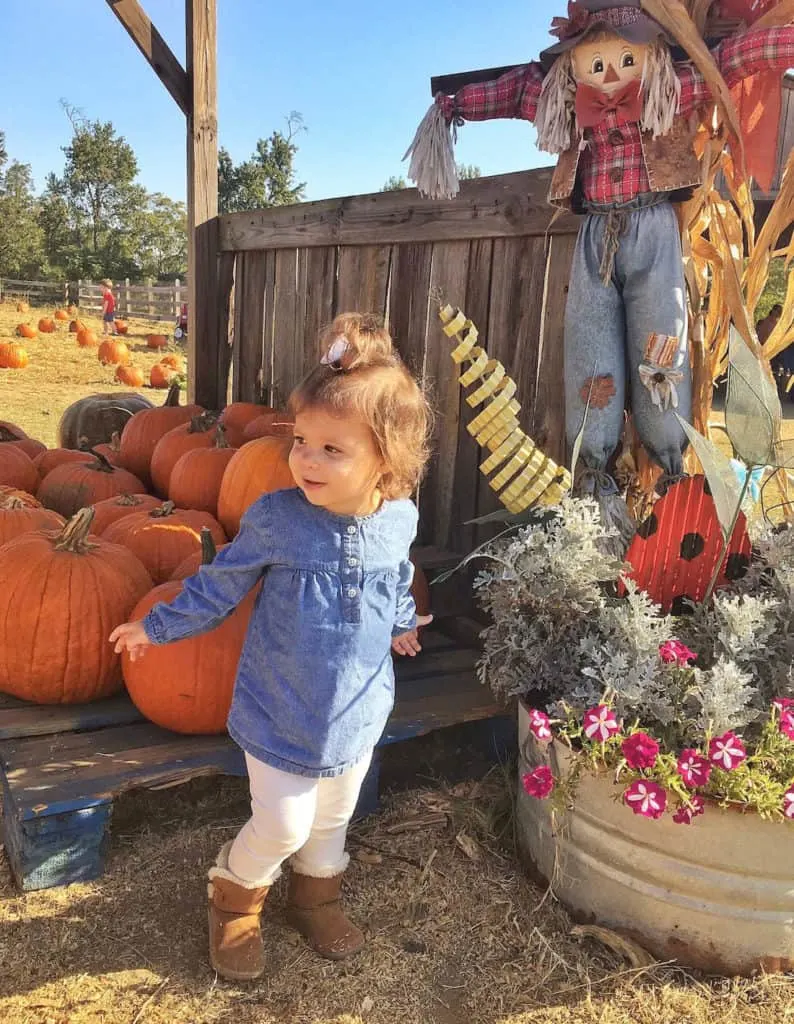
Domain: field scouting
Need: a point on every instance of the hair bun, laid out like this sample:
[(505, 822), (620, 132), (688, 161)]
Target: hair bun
[(356, 339)]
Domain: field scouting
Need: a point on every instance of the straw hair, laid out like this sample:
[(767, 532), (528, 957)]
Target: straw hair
[(556, 113), (106, 282), (371, 382)]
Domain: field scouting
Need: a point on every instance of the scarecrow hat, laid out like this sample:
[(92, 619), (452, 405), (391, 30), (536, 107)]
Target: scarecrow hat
[(625, 19)]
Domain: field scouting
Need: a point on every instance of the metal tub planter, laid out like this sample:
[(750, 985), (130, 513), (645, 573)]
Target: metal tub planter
[(717, 895)]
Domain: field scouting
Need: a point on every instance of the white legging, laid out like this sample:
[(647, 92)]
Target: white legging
[(295, 816)]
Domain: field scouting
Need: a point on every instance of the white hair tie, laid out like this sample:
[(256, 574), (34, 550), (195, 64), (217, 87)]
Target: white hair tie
[(336, 351)]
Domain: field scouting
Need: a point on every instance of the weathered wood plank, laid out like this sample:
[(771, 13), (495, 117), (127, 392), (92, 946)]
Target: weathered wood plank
[(288, 321), (547, 426), (21, 718), (251, 351), (449, 84), (320, 278), (155, 49), (225, 327), (202, 203), (363, 278), (504, 205)]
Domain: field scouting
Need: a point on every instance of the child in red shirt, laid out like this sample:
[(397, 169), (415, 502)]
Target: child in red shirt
[(108, 307)]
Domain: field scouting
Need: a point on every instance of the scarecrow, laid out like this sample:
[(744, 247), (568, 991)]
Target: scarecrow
[(608, 99)]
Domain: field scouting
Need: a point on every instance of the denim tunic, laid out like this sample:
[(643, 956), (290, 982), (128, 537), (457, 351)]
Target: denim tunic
[(315, 682)]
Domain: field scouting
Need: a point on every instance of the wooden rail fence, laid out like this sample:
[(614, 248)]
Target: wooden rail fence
[(147, 301)]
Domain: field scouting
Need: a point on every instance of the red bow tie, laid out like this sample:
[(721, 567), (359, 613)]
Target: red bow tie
[(592, 104)]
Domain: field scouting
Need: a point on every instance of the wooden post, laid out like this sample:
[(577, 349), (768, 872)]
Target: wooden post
[(202, 204), (177, 297)]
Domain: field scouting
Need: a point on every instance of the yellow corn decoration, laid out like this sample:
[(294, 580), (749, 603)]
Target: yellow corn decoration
[(525, 475)]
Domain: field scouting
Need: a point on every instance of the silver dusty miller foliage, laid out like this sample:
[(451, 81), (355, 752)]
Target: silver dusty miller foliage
[(560, 633)]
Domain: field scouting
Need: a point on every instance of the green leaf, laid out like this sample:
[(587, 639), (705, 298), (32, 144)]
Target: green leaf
[(725, 488), (752, 405)]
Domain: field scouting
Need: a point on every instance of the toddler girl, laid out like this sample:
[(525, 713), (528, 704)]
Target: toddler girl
[(315, 683)]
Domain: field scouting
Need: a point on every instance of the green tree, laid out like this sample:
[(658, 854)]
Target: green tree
[(21, 238), (160, 238), (394, 184), (465, 171), (468, 171), (267, 179), (88, 211)]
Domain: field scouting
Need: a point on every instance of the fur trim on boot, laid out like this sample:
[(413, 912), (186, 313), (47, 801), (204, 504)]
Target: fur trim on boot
[(235, 940), (314, 909)]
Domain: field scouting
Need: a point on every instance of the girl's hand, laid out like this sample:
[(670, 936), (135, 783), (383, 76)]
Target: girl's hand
[(408, 643), (130, 636)]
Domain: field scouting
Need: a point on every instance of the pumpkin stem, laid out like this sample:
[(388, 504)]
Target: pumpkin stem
[(128, 499), (220, 437), (208, 549), (166, 509), (172, 398), (203, 422), (74, 536), (14, 502), (103, 464), (115, 441)]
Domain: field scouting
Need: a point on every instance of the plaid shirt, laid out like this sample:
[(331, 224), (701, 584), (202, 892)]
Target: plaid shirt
[(612, 167)]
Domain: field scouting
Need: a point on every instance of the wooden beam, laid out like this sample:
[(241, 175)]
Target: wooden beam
[(449, 84), (204, 338), (154, 48), (502, 206)]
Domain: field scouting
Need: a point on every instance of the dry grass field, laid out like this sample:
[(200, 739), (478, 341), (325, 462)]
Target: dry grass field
[(458, 933), (59, 371)]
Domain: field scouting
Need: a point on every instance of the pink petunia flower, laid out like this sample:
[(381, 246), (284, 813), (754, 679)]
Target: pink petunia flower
[(640, 750), (646, 798), (727, 751), (783, 703), (539, 725), (787, 724), (600, 723), (539, 783), (687, 813), (674, 652), (693, 768), (788, 803)]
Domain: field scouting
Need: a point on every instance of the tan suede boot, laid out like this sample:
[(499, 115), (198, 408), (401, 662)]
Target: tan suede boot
[(314, 909), (236, 950)]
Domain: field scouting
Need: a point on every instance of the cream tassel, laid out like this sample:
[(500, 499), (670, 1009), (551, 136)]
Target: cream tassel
[(662, 90), (432, 166)]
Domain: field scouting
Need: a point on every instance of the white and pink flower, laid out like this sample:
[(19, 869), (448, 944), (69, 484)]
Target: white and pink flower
[(727, 751), (783, 703), (687, 813), (600, 723), (646, 798), (540, 725), (788, 804), (673, 652), (640, 750), (787, 724), (539, 782), (693, 768)]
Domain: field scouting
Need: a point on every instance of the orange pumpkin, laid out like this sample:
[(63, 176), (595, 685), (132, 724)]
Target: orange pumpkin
[(60, 314), (110, 449), (86, 338), (47, 460), (28, 445), (46, 325), (259, 467), (75, 485), (12, 428), (6, 493), (26, 331), (236, 417), (173, 360), (17, 469), (194, 561), (121, 326), (269, 424), (77, 325), (109, 510), (198, 432), (162, 376), (13, 356), (113, 352), (195, 480), (156, 340), (16, 517), (187, 686), (163, 537), (61, 595), (132, 376), (143, 430)]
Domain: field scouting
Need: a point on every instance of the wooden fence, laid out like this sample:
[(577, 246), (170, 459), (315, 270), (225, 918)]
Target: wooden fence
[(285, 272), (147, 301), (34, 291)]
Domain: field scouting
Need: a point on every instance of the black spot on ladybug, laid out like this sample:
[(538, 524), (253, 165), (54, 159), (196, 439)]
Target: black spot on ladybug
[(648, 528), (737, 566), (692, 545), (706, 488), (682, 605)]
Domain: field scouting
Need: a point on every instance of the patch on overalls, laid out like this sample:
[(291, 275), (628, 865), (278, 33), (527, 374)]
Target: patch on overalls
[(659, 372), (598, 391)]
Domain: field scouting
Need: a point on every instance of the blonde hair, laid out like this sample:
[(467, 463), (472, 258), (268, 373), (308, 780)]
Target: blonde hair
[(368, 379), (106, 282), (556, 113)]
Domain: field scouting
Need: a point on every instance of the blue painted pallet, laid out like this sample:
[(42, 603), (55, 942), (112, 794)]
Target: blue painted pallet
[(61, 768)]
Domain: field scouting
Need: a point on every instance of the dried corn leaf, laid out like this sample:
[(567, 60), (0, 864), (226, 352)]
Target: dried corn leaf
[(781, 14), (780, 217), (733, 286)]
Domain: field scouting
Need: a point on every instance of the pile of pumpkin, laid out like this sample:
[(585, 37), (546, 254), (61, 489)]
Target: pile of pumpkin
[(92, 538), (110, 351)]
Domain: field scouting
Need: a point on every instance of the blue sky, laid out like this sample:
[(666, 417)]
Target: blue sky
[(360, 79)]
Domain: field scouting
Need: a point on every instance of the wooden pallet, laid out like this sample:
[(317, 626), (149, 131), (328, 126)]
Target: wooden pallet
[(62, 767)]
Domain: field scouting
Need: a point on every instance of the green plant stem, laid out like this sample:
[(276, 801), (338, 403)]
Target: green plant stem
[(727, 540)]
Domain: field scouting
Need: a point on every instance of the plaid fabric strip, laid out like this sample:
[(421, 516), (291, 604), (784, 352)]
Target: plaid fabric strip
[(515, 94)]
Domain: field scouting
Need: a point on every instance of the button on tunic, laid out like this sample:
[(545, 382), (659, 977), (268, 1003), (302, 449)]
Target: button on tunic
[(315, 681)]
